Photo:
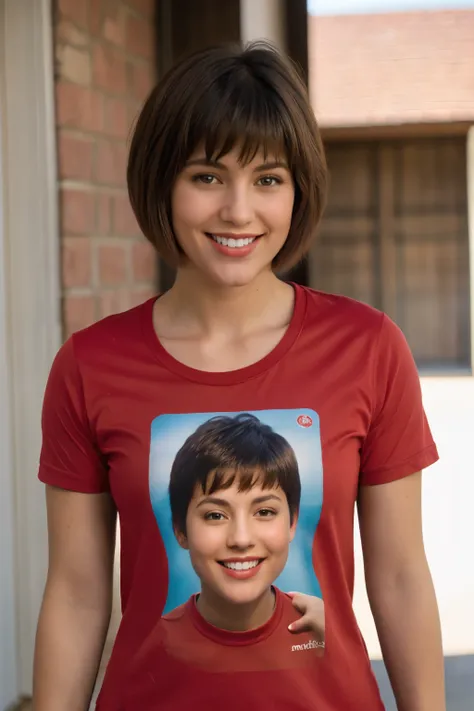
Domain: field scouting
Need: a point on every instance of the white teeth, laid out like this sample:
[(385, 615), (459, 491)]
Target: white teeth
[(244, 565), (231, 242)]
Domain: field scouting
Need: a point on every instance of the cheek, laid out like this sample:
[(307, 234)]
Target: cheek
[(204, 540), (190, 207), (277, 537), (280, 210)]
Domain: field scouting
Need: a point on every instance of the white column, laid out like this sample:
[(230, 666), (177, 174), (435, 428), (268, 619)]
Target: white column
[(33, 290), (8, 638), (263, 19)]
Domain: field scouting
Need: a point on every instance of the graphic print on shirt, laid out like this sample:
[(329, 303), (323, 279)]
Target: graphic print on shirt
[(182, 449)]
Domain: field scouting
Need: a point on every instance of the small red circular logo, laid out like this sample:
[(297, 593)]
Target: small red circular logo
[(304, 421)]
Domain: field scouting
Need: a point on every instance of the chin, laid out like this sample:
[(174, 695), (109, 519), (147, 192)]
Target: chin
[(236, 277), (244, 594)]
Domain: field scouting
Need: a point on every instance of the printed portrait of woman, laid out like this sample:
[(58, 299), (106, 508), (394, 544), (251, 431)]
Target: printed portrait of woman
[(237, 498)]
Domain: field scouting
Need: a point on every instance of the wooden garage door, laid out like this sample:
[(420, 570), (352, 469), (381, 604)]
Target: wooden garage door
[(395, 235)]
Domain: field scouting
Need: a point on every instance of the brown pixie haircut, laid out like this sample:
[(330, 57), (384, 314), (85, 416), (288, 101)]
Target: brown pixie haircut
[(222, 98), (227, 449)]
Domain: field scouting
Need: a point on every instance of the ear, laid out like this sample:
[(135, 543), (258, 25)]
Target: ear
[(182, 539), (293, 526)]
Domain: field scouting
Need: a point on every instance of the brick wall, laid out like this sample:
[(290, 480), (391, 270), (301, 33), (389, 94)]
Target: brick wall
[(104, 69), (391, 68)]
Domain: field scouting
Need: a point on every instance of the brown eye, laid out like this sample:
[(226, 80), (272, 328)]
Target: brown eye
[(213, 516), (269, 181), (266, 513), (204, 178)]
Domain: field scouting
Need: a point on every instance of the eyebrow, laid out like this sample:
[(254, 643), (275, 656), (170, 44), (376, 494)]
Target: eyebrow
[(217, 164), (223, 502)]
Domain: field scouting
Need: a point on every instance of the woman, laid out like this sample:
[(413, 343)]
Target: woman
[(227, 179)]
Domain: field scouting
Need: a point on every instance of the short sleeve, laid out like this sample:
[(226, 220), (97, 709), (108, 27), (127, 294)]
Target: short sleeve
[(70, 458), (399, 441)]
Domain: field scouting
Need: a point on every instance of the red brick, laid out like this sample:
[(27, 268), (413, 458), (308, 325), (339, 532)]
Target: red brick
[(116, 118), (145, 7), (111, 162), (104, 214), (124, 222), (95, 17), (74, 64), (79, 107), (142, 79), (134, 108), (79, 312), (109, 70), (68, 33), (76, 261), (113, 302), (144, 259), (77, 211), (75, 10), (139, 296), (93, 219), (113, 259), (114, 24), (140, 37), (75, 157)]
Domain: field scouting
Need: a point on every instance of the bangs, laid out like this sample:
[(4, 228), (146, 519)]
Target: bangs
[(240, 112), (245, 477)]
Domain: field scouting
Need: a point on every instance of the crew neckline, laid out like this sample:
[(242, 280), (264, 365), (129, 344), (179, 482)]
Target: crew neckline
[(229, 377), (236, 639)]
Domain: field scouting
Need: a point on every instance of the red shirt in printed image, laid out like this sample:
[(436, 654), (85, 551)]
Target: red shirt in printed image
[(266, 667)]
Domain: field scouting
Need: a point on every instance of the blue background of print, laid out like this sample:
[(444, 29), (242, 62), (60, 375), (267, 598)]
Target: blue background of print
[(168, 434)]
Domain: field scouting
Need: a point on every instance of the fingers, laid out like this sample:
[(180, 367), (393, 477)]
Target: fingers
[(301, 602), (303, 624), (312, 618), (308, 623)]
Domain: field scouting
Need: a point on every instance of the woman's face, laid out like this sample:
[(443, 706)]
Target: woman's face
[(230, 219), (238, 542)]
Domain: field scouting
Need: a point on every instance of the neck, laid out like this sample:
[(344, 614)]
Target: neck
[(234, 617), (199, 306)]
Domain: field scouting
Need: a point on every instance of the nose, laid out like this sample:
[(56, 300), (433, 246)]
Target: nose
[(237, 208), (239, 534)]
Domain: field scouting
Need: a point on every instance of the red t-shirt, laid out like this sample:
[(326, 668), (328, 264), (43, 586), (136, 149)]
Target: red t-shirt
[(343, 389), (264, 668)]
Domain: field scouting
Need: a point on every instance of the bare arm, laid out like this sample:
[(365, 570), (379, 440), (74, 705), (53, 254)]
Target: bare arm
[(76, 608), (401, 593)]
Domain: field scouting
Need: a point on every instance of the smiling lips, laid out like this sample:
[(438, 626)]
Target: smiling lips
[(233, 245), (241, 568)]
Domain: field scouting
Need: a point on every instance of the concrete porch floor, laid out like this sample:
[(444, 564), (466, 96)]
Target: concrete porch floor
[(459, 683)]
